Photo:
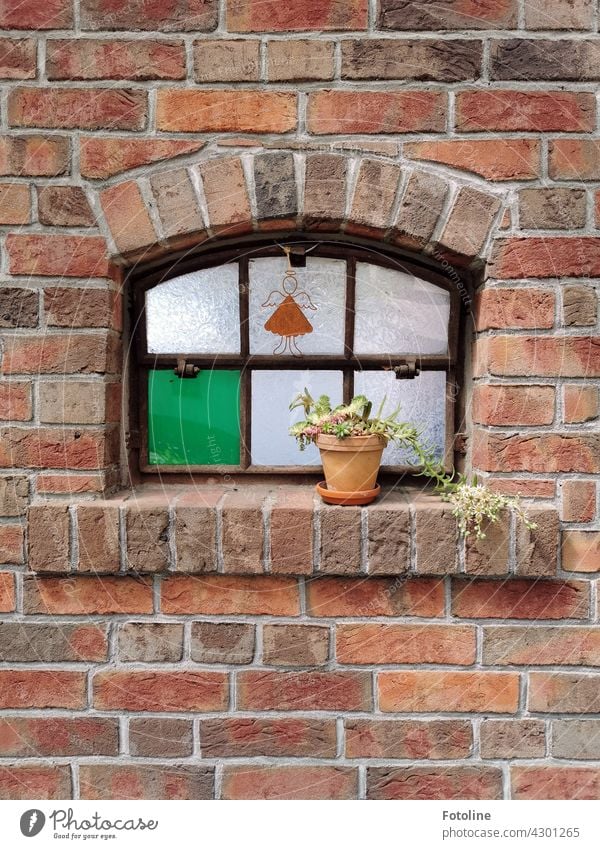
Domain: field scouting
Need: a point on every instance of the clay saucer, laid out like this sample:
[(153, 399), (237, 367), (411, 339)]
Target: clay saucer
[(331, 496)]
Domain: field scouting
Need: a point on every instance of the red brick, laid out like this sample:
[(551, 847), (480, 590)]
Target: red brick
[(538, 111), (546, 356), (125, 781), (103, 59), (11, 544), (57, 353), (376, 111), (70, 484), (26, 689), (574, 159), (127, 216), (578, 501), (537, 549), (288, 782), (7, 592), (389, 553), (423, 15), (72, 108), (70, 307), (15, 204), (554, 782), (580, 403), (337, 691), (35, 782), (161, 691), (503, 404), (180, 16), (551, 692), (339, 597), (272, 16), (15, 401), (33, 156), (445, 782), (18, 58), (58, 736), (526, 487), (57, 448), (512, 738), (581, 551), (541, 256), (520, 599), (64, 206), (508, 308), (448, 691), (408, 739), (543, 453), (368, 644), (87, 595), (31, 14), (220, 594), (493, 159), (250, 738), (57, 256), (541, 646), (102, 158), (240, 111)]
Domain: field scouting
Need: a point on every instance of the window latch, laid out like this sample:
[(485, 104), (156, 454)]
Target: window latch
[(407, 369), (185, 369)]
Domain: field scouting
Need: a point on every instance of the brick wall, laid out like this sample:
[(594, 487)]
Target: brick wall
[(189, 645)]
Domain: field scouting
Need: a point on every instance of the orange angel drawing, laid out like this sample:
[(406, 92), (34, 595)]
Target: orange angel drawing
[(288, 321)]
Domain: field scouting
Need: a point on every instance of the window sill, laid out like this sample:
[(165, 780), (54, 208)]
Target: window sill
[(278, 530)]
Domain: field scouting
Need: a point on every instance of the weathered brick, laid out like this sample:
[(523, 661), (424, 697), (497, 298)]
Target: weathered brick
[(18, 58), (11, 544), (578, 501), (528, 111), (147, 526), (57, 256), (389, 534), (98, 538), (7, 592), (35, 782), (493, 159), (512, 738), (520, 599), (147, 642), (542, 645), (176, 203), (324, 190), (375, 112), (15, 401), (291, 533), (243, 532), (72, 108), (104, 59), (58, 736), (24, 642), (49, 538), (577, 739), (420, 208), (15, 203), (86, 595), (240, 111), (564, 15), (124, 781), (408, 739), (251, 738), (546, 356), (55, 353), (71, 484), (580, 403), (374, 195), (447, 782), (292, 60), (423, 15), (574, 159), (338, 597), (195, 531), (543, 453), (563, 692), (285, 782), (14, 495), (537, 549), (78, 402), (518, 308), (222, 642), (181, 16), (375, 644), (64, 206), (340, 540), (218, 595), (18, 307), (155, 737), (275, 186), (30, 14), (43, 448), (436, 539), (544, 59), (295, 645), (26, 689), (448, 691), (127, 216), (226, 194), (552, 209), (469, 222), (34, 156), (337, 691), (554, 782), (162, 692), (490, 555), (105, 157), (506, 404), (406, 59), (580, 306), (226, 60), (526, 487), (581, 551), (272, 16)]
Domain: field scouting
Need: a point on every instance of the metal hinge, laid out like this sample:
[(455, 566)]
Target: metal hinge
[(185, 369), (407, 369)]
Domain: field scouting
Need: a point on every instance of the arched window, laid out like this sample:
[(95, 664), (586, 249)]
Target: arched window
[(226, 341)]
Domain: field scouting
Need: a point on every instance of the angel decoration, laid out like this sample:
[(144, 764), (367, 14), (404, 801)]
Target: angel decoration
[(288, 321)]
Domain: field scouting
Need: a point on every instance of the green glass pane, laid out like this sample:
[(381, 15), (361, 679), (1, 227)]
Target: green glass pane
[(194, 421)]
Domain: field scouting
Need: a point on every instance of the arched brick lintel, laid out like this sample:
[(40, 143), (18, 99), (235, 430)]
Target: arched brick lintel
[(418, 210)]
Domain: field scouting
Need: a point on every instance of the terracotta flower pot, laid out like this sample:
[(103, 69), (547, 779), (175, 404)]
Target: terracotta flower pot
[(351, 466)]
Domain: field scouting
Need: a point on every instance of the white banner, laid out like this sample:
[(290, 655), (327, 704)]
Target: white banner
[(298, 825)]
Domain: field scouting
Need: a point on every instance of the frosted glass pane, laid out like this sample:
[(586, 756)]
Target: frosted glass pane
[(308, 319), (422, 402), (396, 313), (272, 392), (196, 313)]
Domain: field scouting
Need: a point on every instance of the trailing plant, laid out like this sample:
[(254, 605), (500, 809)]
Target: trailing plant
[(472, 503)]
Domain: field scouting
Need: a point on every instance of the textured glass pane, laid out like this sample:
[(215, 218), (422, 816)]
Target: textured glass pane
[(422, 402), (197, 313), (396, 313), (272, 392), (195, 421), (306, 316)]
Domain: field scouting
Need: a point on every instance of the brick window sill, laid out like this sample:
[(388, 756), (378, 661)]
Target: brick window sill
[(279, 530)]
